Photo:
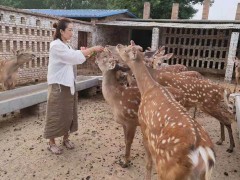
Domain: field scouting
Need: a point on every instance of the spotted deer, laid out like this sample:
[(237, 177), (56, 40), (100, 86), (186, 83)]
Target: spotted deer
[(237, 72), (9, 68), (124, 101), (179, 147)]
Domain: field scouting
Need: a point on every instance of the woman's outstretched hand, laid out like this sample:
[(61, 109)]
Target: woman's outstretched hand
[(98, 48)]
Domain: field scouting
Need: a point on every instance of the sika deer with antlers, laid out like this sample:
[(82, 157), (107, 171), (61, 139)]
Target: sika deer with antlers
[(178, 145)]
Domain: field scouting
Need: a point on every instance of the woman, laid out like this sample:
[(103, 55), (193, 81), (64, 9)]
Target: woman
[(61, 118)]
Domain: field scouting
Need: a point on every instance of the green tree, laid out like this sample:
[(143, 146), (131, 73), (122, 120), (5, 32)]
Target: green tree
[(24, 4), (160, 9)]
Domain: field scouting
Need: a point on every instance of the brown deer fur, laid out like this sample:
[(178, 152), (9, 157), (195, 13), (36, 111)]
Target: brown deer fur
[(124, 101), (9, 68), (237, 72), (171, 138)]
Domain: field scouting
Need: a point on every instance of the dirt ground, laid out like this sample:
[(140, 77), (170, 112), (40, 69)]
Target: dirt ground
[(99, 147)]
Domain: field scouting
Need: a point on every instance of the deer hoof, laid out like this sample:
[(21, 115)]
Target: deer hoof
[(124, 164), (219, 142), (229, 150)]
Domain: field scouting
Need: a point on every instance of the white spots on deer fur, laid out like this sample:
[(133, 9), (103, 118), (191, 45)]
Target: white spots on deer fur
[(176, 141), (167, 156), (173, 124), (120, 102), (163, 141), (125, 107), (122, 93), (180, 124)]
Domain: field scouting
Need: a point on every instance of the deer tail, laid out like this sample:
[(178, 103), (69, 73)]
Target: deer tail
[(203, 160)]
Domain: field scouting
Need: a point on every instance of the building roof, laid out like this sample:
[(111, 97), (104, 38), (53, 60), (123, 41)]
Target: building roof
[(83, 13), (150, 23)]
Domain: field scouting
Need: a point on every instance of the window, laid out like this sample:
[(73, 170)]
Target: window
[(6, 29), (33, 46), (27, 31), (21, 44), (38, 22), (43, 62), (14, 29), (21, 30), (38, 62), (43, 46), (7, 45), (27, 45), (38, 46), (1, 17), (12, 19), (23, 21), (1, 46), (14, 44)]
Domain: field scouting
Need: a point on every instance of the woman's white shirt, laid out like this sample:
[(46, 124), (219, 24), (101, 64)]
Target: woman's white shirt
[(61, 60)]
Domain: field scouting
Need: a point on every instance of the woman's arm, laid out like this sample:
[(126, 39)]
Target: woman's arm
[(91, 50)]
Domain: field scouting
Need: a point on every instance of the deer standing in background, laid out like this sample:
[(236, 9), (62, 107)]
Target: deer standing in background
[(9, 68), (203, 94), (124, 101), (179, 147), (237, 72)]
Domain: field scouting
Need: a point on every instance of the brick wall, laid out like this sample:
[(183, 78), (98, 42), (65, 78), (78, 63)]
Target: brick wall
[(175, 9), (237, 17), (206, 6), (20, 30)]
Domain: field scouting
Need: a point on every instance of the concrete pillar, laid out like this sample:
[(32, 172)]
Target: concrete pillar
[(237, 17), (146, 10), (231, 55), (206, 6), (155, 38), (175, 10)]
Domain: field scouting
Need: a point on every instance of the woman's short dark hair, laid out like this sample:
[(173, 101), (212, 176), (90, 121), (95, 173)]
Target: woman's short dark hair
[(61, 25)]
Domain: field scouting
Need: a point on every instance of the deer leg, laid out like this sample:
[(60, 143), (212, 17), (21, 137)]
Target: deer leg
[(129, 133), (232, 143), (194, 112), (220, 115), (149, 159), (222, 138)]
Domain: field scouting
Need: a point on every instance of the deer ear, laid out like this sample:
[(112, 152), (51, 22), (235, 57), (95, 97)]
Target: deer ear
[(14, 52), (168, 56), (162, 52), (112, 65), (132, 43), (161, 48)]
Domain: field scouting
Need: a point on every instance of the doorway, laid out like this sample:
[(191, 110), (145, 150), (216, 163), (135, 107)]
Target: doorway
[(142, 37)]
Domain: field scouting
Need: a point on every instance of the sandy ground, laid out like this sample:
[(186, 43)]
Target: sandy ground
[(99, 148)]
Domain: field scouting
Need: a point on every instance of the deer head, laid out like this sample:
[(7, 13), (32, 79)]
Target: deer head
[(129, 53), (105, 60), (24, 56)]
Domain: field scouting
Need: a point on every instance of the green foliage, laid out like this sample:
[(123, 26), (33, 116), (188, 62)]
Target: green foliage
[(160, 9)]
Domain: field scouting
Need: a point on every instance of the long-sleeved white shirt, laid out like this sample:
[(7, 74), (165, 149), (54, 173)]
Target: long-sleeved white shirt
[(61, 60)]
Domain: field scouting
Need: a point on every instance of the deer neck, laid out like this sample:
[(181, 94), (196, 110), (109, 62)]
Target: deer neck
[(21, 61), (110, 85), (144, 80), (12, 66)]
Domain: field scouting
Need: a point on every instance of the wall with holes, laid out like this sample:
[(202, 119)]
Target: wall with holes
[(21, 30), (204, 50)]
